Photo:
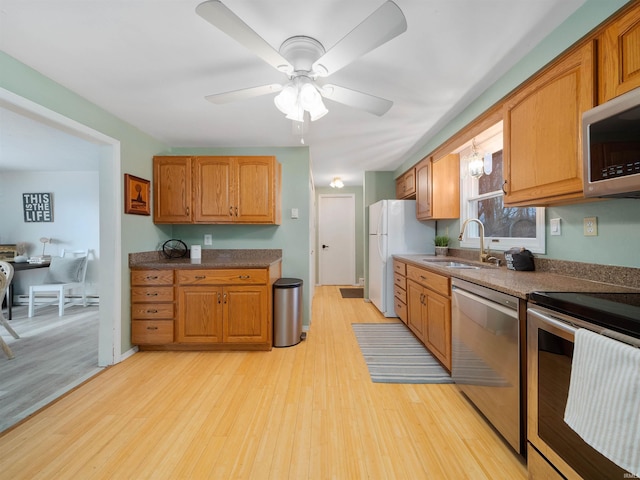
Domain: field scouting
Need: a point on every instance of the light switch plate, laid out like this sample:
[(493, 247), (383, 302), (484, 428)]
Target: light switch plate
[(208, 239), (555, 226), (294, 213), (590, 226)]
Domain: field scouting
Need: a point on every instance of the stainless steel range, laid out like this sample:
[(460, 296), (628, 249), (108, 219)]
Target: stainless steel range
[(553, 318)]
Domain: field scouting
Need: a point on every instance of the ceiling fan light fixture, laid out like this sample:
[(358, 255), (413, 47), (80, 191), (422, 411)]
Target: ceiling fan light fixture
[(286, 100)]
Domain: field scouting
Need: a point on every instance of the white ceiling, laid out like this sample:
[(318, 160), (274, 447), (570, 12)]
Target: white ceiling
[(152, 62)]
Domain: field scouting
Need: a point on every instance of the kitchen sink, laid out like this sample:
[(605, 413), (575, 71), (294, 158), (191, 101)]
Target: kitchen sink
[(451, 264)]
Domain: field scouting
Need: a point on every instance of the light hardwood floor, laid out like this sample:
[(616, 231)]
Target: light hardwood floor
[(53, 355), (308, 411)]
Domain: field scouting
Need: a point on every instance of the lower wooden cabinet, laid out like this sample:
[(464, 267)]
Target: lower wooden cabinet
[(400, 290), (203, 309), (152, 307), (429, 311)]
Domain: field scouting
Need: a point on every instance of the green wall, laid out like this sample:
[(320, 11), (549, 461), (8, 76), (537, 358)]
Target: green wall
[(292, 236), (619, 219), (360, 231)]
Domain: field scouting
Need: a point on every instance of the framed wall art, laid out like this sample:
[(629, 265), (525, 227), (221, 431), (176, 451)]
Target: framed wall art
[(37, 207), (137, 195)]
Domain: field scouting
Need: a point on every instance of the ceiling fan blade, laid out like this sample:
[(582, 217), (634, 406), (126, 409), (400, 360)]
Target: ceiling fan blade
[(353, 98), (243, 94), (218, 15), (386, 23)]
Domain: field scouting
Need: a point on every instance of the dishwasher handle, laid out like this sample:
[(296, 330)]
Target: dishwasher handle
[(484, 301)]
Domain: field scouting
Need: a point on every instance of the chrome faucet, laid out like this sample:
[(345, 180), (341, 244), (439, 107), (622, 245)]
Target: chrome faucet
[(483, 256)]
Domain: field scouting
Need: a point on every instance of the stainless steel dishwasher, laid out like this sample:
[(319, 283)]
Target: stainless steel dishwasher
[(486, 355)]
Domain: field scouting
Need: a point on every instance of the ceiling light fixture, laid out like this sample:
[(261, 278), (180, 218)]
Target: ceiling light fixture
[(336, 183)]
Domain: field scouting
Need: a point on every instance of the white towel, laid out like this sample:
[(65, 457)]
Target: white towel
[(603, 406)]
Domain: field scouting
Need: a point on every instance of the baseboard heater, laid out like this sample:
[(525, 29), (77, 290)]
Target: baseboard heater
[(44, 299)]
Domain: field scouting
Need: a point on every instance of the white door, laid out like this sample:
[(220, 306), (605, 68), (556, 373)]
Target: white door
[(337, 239)]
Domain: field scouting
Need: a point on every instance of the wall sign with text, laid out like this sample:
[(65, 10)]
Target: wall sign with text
[(38, 207)]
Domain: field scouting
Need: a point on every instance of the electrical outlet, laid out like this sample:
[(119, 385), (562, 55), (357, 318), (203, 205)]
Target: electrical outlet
[(590, 226), (208, 239)]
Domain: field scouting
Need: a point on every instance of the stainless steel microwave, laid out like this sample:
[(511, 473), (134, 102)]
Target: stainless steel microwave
[(611, 147)]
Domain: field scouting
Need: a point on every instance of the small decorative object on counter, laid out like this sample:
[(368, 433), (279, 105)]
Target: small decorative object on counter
[(442, 245), (519, 258)]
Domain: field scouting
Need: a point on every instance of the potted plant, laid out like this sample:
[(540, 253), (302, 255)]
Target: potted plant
[(442, 245)]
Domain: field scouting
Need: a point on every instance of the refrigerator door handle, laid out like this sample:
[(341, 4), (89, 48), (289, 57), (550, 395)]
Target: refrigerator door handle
[(379, 235)]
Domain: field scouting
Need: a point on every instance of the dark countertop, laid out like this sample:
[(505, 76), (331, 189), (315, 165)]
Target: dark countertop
[(512, 282), (210, 259)]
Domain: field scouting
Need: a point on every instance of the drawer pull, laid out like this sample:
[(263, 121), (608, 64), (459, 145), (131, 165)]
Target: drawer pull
[(225, 298), (423, 277), (152, 328), (152, 294), (218, 298), (244, 277), (236, 211), (152, 277), (200, 277), (231, 211), (152, 311)]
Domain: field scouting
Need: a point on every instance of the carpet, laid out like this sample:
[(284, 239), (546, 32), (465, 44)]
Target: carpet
[(352, 292), (394, 355)]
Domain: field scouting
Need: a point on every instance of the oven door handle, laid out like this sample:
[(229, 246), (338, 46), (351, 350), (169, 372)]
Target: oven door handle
[(565, 327)]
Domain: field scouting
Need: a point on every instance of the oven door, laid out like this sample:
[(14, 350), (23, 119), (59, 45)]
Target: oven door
[(550, 338)]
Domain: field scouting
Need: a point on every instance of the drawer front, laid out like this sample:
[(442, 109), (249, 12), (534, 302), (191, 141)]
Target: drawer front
[(399, 281), (400, 267), (222, 277), (151, 332), (151, 311), (400, 293), (435, 282), (151, 294), (151, 277), (401, 309)]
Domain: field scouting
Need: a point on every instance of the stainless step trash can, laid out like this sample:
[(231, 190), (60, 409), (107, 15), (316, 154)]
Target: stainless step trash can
[(287, 312)]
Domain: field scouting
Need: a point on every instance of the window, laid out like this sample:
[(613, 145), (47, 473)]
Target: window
[(482, 198)]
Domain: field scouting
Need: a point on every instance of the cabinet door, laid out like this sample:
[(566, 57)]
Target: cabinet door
[(199, 315), (256, 188), (445, 187), (619, 56), (423, 190), (542, 133), (438, 327), (246, 314), (172, 190), (415, 304), (213, 189)]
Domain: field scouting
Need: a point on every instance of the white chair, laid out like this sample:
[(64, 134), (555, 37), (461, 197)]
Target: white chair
[(6, 275), (66, 272)]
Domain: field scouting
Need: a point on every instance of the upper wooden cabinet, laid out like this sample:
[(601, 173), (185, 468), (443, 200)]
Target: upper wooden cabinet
[(542, 132), (216, 190), (438, 188), (619, 56), (406, 185)]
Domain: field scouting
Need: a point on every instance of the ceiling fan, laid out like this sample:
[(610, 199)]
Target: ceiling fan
[(306, 63)]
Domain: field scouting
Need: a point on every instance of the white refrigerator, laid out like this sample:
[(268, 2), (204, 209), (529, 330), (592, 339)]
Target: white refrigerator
[(393, 229)]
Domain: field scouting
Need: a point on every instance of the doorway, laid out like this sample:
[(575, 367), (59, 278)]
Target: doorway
[(336, 239), (110, 191)]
